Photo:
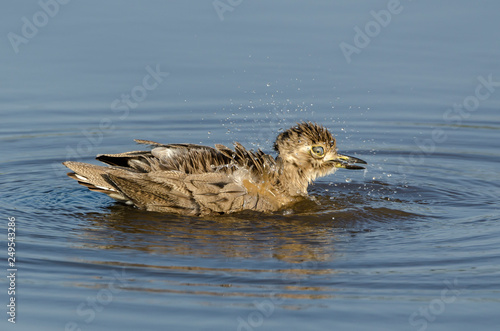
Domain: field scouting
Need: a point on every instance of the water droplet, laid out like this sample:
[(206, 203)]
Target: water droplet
[(268, 84), (333, 218), (348, 180)]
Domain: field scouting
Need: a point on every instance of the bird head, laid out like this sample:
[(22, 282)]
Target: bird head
[(312, 149)]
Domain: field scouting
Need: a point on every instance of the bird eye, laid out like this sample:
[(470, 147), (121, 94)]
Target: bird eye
[(317, 151)]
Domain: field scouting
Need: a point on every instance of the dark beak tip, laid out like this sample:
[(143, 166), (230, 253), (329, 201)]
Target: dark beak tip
[(354, 167), (349, 162), (351, 159)]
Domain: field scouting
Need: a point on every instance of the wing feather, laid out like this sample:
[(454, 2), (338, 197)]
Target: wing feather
[(181, 178), (216, 191)]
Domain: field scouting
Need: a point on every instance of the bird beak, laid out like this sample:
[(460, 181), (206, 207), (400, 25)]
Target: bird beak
[(345, 161)]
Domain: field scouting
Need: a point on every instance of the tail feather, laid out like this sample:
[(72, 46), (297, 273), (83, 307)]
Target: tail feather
[(94, 178), (123, 159), (163, 191)]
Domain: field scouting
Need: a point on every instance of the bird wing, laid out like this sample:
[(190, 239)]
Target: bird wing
[(180, 178), (262, 166), (217, 192), (190, 159), (157, 191), (162, 191), (186, 158)]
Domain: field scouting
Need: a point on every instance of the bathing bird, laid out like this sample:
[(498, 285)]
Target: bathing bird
[(191, 179)]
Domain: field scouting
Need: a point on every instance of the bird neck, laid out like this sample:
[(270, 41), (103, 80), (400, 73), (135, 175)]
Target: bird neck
[(292, 179)]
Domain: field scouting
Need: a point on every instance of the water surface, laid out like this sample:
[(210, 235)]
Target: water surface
[(412, 243)]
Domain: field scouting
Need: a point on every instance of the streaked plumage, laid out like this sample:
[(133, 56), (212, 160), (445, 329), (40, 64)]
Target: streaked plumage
[(199, 180)]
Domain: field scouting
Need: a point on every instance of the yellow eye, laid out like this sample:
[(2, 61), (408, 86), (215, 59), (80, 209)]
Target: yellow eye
[(317, 151)]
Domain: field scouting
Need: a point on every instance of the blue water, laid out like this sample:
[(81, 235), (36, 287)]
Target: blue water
[(412, 243)]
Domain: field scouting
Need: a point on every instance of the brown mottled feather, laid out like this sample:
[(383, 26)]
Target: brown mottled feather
[(198, 180)]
